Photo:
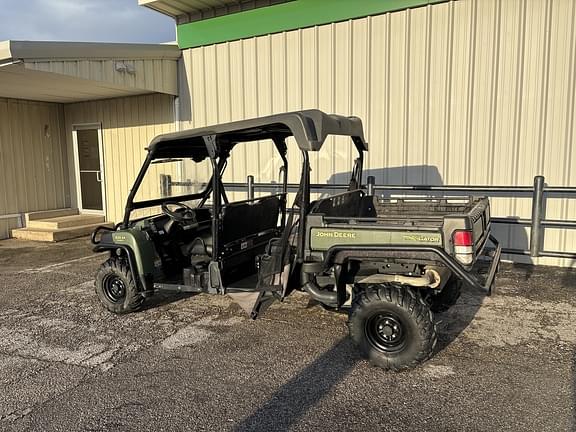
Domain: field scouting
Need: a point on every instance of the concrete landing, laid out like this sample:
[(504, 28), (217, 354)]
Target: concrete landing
[(58, 225)]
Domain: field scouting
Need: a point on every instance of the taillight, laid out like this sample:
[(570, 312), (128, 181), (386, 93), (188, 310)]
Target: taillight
[(463, 242), (462, 238)]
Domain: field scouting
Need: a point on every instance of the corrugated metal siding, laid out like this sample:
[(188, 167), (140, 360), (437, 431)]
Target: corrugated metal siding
[(128, 125), (154, 75), (33, 162), (464, 92)]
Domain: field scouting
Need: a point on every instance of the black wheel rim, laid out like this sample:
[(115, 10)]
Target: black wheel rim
[(386, 332), (114, 289)]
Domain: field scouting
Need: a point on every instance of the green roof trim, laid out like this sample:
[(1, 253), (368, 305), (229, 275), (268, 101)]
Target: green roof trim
[(284, 16)]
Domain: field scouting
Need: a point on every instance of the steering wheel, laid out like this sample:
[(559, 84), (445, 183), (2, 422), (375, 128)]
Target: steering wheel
[(181, 212)]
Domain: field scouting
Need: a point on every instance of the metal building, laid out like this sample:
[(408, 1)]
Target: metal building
[(468, 92), (74, 121)]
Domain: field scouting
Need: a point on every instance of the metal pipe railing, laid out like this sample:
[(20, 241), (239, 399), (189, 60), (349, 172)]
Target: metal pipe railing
[(537, 192), (537, 207), (250, 185)]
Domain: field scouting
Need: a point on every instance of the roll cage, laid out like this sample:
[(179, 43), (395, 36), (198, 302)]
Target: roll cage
[(309, 128)]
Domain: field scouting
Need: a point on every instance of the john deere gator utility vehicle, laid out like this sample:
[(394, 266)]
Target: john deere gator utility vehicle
[(391, 263)]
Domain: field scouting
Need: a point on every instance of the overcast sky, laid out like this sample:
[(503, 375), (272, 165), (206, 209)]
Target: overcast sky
[(83, 20)]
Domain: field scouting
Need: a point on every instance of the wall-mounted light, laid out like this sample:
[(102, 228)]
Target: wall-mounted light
[(125, 68)]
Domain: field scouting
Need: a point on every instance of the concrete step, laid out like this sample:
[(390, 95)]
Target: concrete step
[(46, 214), (55, 235), (65, 221)]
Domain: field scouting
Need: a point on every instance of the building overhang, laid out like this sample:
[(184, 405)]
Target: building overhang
[(192, 10), (203, 22), (73, 72)]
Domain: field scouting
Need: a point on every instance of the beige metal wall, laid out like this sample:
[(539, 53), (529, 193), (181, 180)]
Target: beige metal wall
[(463, 92), (154, 75), (128, 124), (33, 162)]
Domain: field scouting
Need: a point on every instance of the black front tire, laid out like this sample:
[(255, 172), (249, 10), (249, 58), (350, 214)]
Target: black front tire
[(392, 326), (117, 288)]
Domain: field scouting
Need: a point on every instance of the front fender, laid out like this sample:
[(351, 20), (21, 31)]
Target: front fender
[(139, 249)]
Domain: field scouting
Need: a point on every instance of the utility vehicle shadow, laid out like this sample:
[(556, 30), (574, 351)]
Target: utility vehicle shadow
[(457, 319), (291, 401)]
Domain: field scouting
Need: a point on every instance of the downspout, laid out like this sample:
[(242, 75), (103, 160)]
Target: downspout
[(177, 116)]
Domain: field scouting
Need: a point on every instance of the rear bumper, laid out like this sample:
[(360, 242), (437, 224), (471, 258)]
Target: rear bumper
[(493, 255), (341, 254)]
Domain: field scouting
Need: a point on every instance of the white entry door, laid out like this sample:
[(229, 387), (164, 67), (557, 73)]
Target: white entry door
[(88, 162)]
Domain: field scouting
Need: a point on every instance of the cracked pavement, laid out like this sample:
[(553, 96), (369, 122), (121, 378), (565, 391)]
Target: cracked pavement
[(198, 363)]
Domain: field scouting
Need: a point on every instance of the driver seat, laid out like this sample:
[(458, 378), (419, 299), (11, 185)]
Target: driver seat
[(199, 252)]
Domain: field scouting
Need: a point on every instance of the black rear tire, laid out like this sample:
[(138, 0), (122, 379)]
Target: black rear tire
[(116, 287), (448, 296), (392, 326)]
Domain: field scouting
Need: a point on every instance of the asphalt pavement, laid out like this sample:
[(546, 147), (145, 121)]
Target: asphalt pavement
[(505, 362)]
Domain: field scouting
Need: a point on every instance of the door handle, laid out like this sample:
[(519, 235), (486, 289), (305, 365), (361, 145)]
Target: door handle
[(99, 176)]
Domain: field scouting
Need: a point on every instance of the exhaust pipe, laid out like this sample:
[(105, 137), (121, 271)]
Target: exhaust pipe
[(433, 277), (329, 298)]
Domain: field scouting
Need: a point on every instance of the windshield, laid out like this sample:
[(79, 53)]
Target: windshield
[(167, 178)]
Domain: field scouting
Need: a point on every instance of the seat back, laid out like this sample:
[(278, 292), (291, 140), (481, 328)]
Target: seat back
[(243, 219), (347, 204)]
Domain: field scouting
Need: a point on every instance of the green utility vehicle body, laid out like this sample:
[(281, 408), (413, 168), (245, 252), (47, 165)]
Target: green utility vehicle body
[(389, 261)]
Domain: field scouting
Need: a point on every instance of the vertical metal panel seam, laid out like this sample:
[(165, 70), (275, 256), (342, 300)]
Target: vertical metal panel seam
[(3, 167), (350, 26), (518, 93), (387, 95), (368, 96), (32, 186), (229, 83), (471, 81), (203, 52), (317, 78), (257, 98), (333, 101), (448, 85), (545, 87), (285, 53), (54, 143), (243, 83), (301, 71), (216, 87), (11, 140), (427, 85), (406, 125), (56, 147), (43, 152), (20, 144), (271, 73), (494, 89)]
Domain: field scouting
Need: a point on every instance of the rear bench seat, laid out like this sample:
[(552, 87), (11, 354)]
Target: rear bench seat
[(243, 219)]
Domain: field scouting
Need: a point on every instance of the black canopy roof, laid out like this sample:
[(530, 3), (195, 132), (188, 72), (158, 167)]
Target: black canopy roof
[(310, 129)]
